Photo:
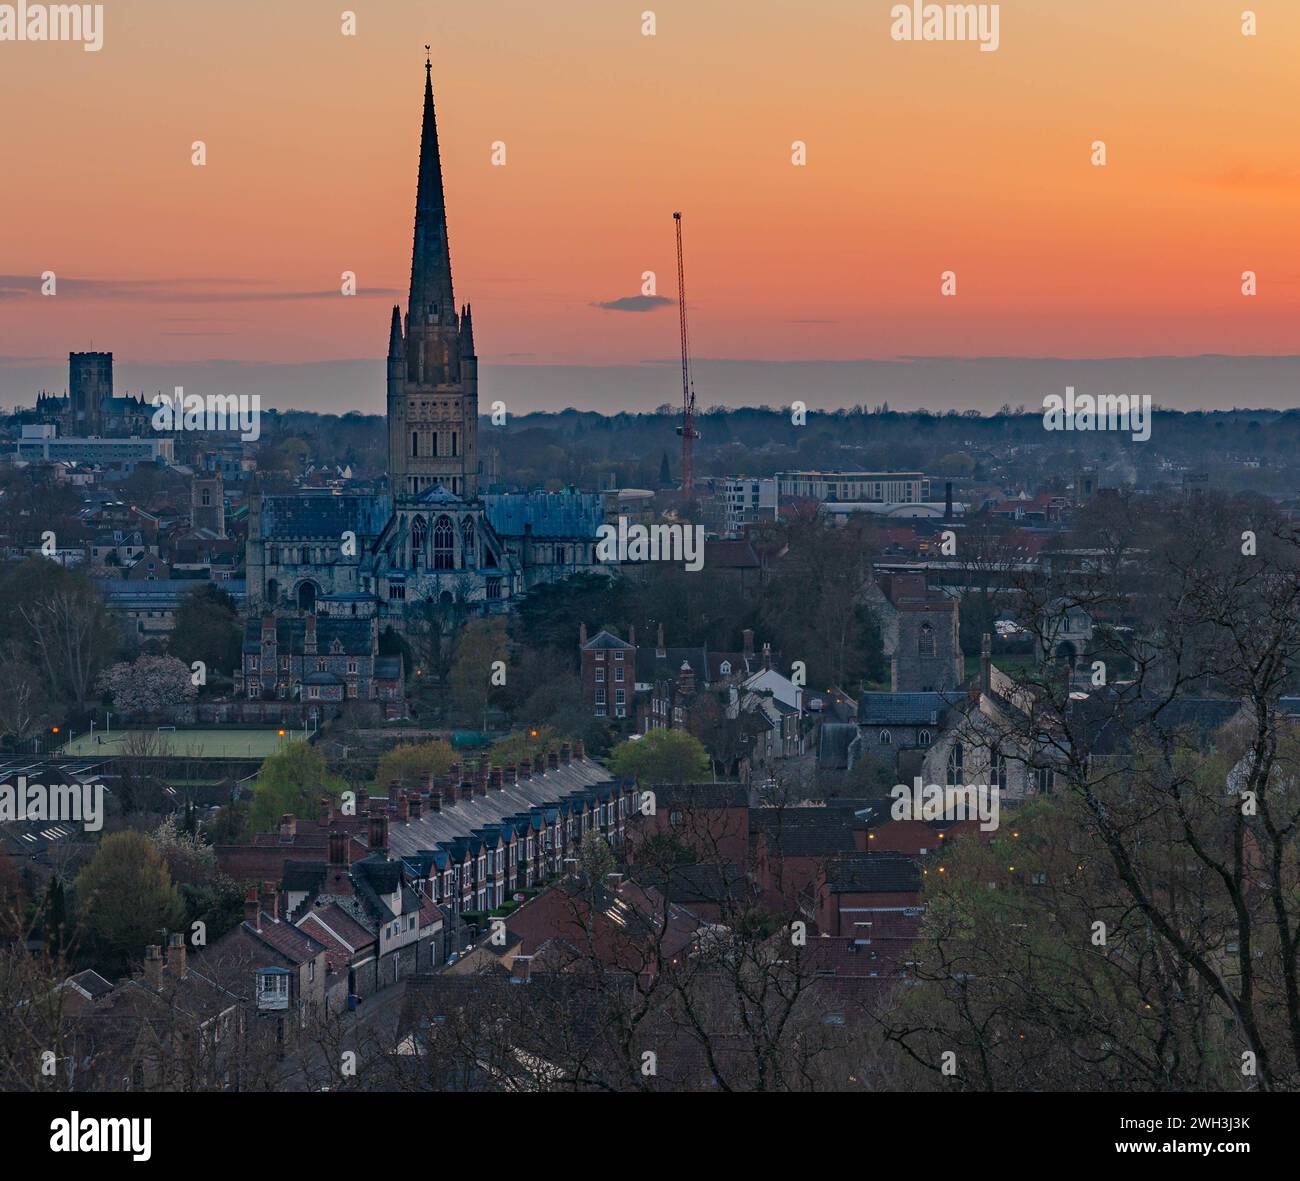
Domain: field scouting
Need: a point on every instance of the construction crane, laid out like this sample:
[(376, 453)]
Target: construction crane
[(687, 429)]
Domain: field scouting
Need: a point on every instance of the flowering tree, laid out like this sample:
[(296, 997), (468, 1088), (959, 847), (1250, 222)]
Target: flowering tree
[(149, 684)]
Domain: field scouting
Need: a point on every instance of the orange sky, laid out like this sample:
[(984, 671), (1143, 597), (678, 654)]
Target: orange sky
[(921, 158)]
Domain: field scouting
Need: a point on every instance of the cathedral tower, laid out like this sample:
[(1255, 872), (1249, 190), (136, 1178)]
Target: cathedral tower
[(432, 369)]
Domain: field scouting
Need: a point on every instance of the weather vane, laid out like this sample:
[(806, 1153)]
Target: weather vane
[(427, 59)]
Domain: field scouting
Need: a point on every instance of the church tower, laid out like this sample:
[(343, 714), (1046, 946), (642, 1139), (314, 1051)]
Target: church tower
[(432, 369)]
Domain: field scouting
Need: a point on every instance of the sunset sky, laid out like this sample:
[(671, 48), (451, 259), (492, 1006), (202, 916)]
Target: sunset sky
[(920, 158)]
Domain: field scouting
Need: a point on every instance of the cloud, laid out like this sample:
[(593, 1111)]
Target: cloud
[(634, 303)]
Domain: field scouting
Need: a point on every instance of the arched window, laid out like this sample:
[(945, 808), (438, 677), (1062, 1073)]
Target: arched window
[(419, 535), (956, 759), (725, 668), (467, 541), (923, 738), (444, 545), (885, 738), (307, 597), (415, 444), (925, 641), (998, 772)]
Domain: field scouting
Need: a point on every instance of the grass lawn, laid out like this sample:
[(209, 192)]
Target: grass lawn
[(201, 744)]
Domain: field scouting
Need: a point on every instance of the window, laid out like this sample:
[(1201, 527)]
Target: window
[(998, 771), (923, 738), (925, 641), (419, 535), (467, 541), (725, 668), (955, 765), (618, 674), (415, 444), (493, 588), (885, 738), (1046, 779), (600, 676), (444, 545)]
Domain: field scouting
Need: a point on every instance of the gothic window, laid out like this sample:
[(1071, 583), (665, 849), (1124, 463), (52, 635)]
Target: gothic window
[(923, 739), (886, 738), (415, 443), (999, 772), (444, 545), (955, 765), (419, 534), (925, 641), (467, 541)]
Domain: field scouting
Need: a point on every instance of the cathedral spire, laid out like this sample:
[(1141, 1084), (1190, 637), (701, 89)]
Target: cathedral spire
[(431, 300), (395, 334)]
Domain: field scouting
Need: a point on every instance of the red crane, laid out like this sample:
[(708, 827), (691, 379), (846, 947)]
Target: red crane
[(687, 429)]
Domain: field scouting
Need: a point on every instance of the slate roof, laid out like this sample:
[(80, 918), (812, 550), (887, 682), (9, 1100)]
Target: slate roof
[(905, 709), (550, 514), (807, 832), (311, 515), (291, 631), (604, 639), (461, 820), (700, 795), (873, 873)]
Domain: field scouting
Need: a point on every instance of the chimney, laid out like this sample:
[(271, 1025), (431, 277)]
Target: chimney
[(566, 754), (338, 845), (268, 629), (552, 759), (309, 635), (571, 866), (288, 828), (660, 650), (767, 656), (435, 801), (454, 772), (271, 899), (252, 912), (947, 500), (403, 808), (153, 966), (512, 775), (582, 634), (481, 779), (416, 805), (631, 635), (614, 881), (579, 750), (525, 769), (686, 679), (363, 800), (986, 662), (494, 779), (521, 969), (326, 810), (466, 789), (747, 639), (176, 956), (379, 833)]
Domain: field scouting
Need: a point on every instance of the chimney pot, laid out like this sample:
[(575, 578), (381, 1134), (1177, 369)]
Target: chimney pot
[(270, 899), (379, 833), (153, 965), (552, 759), (176, 956), (566, 754), (525, 769), (435, 801), (252, 912)]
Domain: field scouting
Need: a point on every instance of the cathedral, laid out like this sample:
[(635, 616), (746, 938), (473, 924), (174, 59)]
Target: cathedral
[(434, 535)]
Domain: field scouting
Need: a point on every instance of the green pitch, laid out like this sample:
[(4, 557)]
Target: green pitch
[(194, 744)]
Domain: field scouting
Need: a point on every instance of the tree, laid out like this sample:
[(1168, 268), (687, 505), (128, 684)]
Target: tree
[(595, 857), (411, 764), (665, 472), (482, 643), (22, 701), (291, 781), (662, 756), (207, 629), (125, 896), (65, 626), (149, 684)]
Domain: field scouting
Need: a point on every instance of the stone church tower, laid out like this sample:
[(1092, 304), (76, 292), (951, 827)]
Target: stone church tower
[(432, 369)]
